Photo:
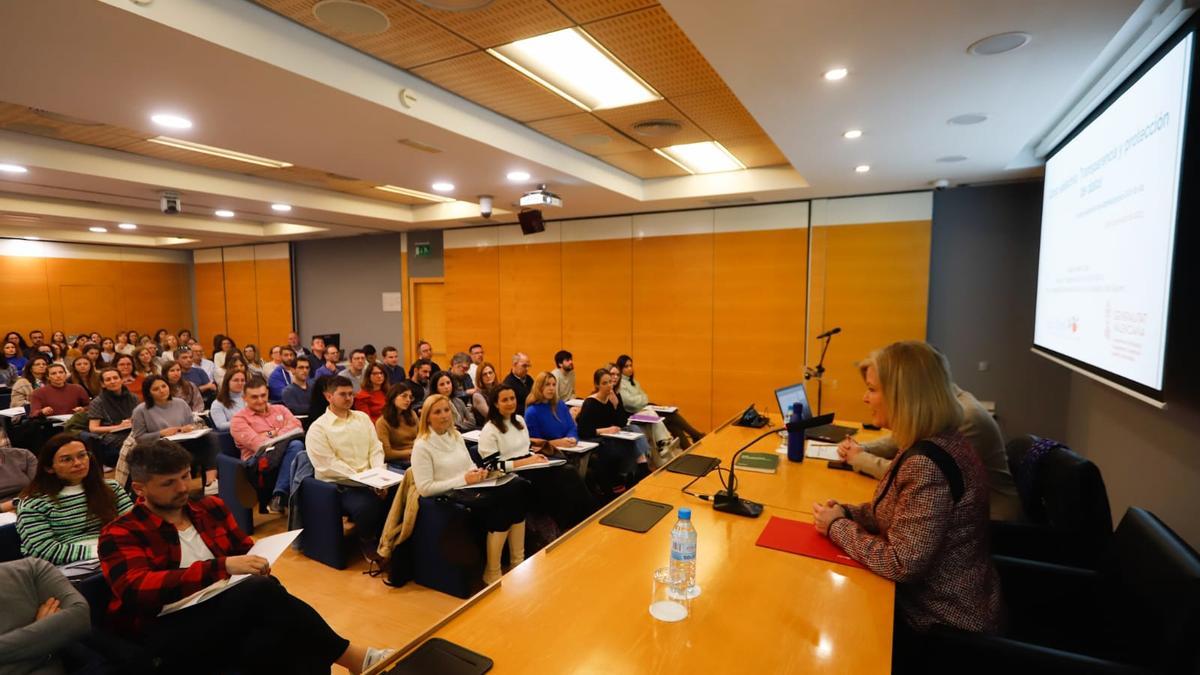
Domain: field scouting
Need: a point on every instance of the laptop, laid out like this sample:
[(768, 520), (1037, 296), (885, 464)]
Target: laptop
[(795, 393)]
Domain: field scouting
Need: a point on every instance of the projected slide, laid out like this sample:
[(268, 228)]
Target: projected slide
[(1108, 229)]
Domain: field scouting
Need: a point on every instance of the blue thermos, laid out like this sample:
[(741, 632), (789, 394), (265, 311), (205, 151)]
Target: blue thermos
[(796, 438)]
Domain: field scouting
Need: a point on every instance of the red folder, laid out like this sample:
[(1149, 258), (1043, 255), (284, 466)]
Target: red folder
[(795, 536)]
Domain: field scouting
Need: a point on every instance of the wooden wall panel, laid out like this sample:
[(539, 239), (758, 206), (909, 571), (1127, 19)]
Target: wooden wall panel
[(872, 281), (155, 295), (759, 304), (88, 307), (530, 303), (241, 303), (273, 284), (24, 295), (210, 302), (597, 304), (672, 322), (473, 302)]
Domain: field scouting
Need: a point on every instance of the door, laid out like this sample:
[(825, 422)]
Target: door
[(429, 318)]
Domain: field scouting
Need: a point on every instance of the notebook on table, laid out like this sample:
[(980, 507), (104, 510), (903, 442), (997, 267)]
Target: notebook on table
[(441, 657), (636, 515), (693, 465), (801, 538)]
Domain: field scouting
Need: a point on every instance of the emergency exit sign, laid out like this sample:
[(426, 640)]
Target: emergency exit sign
[(423, 249)]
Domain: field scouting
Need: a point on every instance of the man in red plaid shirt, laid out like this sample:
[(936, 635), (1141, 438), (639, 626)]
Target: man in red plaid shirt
[(168, 548)]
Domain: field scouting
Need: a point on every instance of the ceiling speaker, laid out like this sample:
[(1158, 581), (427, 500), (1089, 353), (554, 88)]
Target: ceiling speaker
[(531, 222), (353, 18)]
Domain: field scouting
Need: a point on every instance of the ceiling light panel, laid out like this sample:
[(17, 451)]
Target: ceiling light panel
[(573, 65), (13, 168), (218, 152), (705, 157), (415, 193)]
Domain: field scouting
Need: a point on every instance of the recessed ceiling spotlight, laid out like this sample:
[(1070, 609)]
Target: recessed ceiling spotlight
[(127, 226), (949, 159), (281, 208), (1000, 43), (98, 230), (223, 213), (967, 119), (836, 74), (862, 168), (13, 168), (852, 134), (442, 186), (518, 176), (171, 121)]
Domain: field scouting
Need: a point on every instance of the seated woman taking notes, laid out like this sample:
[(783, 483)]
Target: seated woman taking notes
[(160, 415), (927, 526), (550, 421), (441, 463)]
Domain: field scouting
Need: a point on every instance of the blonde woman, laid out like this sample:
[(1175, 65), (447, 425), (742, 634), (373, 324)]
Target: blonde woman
[(927, 526), (441, 465)]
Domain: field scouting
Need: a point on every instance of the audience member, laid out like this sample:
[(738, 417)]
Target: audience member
[(369, 352), (84, 374), (254, 362), (108, 351), (160, 415), (92, 351), (168, 548), (342, 443), (372, 396), (18, 467), (43, 613), (550, 421), (520, 380), (397, 426), (180, 388), (441, 463), (58, 397), (442, 383), (192, 372), (281, 377), (317, 403), (391, 364), (315, 354), (33, 377), (635, 399), (222, 345), (485, 381), (14, 357), (330, 365), (604, 413), (927, 526), (61, 511), (110, 415), (8, 372), (123, 345), (297, 395), (355, 369), (425, 351), (475, 351), (564, 374), (274, 360), (209, 368), (124, 365), (418, 378), (261, 425), (230, 400), (464, 387)]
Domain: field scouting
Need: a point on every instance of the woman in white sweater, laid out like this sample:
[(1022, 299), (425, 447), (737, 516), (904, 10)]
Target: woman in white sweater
[(441, 463), (558, 491)]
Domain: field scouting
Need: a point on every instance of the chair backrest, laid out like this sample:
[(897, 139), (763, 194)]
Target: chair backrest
[(1067, 494), (1155, 608), (228, 447)]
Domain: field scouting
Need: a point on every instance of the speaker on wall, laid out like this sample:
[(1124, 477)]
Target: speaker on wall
[(531, 221)]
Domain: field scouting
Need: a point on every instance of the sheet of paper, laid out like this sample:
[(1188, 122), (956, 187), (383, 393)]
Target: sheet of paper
[(379, 478), (645, 417), (664, 409), (287, 435), (59, 418), (268, 547), (625, 435), (574, 402), (581, 446), (472, 435), (489, 483), (13, 412), (188, 435), (547, 465), (821, 450), (8, 518)]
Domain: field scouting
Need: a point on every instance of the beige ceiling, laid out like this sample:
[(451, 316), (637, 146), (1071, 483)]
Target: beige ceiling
[(447, 49)]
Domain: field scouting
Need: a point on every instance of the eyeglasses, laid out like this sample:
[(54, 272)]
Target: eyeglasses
[(68, 460)]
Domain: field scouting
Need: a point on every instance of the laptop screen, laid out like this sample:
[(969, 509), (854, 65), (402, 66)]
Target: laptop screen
[(789, 395)]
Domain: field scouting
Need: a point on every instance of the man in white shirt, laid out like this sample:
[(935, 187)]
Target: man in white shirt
[(341, 443), (198, 361), (476, 354), (354, 370)]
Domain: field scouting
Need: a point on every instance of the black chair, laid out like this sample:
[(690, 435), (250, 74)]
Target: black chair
[(1068, 520), (10, 543), (1138, 613), (444, 552)]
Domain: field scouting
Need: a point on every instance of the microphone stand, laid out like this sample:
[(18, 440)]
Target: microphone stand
[(727, 500), (819, 371)]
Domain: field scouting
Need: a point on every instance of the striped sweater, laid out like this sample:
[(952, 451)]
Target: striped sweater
[(60, 529)]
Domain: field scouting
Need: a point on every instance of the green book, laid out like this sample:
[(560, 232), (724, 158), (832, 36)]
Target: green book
[(762, 462)]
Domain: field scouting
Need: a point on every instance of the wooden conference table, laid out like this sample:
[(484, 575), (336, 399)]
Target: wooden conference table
[(581, 604)]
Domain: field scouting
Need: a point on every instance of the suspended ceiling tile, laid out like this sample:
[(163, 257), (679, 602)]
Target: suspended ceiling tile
[(644, 164), (499, 23), (410, 40), (624, 119), (483, 79), (719, 113), (755, 151), (583, 11), (586, 133), (654, 47)]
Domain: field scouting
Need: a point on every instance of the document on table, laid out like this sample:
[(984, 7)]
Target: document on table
[(645, 417), (287, 435), (59, 418), (380, 479), (13, 412), (581, 446), (8, 518), (624, 435), (574, 402), (189, 435), (472, 435), (821, 450), (664, 409), (489, 483), (268, 547), (544, 465)]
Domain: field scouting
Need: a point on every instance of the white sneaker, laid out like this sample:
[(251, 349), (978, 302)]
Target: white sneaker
[(374, 656), (210, 490)]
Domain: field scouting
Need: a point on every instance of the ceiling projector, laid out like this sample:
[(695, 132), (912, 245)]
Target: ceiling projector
[(540, 197)]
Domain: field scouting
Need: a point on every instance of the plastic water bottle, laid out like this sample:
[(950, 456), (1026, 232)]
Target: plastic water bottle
[(683, 550), (795, 441)]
